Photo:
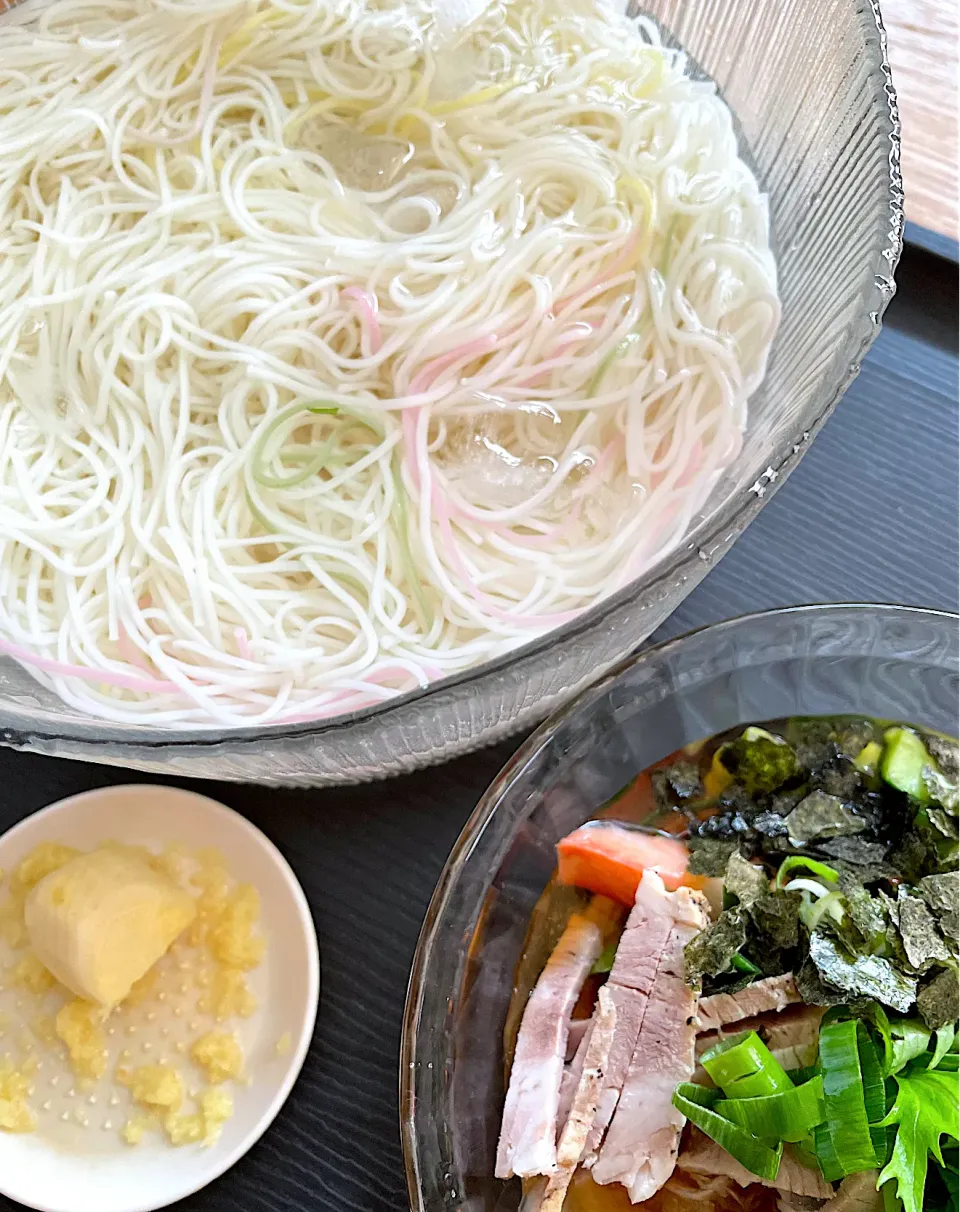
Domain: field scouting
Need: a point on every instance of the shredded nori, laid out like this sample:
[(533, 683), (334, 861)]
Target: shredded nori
[(820, 815), (709, 855), (858, 852), (816, 991), (862, 975), (710, 952), (776, 917), (921, 939), (944, 752), (939, 1001), (744, 880), (865, 913), (942, 896)]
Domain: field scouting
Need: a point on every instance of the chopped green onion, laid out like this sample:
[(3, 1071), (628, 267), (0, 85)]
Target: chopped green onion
[(752, 1153), (744, 1067), (826, 1154), (853, 1093), (742, 964), (790, 1115), (799, 860), (830, 905)]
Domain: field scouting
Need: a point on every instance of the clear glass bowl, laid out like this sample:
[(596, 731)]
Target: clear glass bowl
[(818, 118), (888, 662)]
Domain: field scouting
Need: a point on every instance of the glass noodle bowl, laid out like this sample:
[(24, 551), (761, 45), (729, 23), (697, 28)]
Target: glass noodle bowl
[(480, 588), (882, 662)]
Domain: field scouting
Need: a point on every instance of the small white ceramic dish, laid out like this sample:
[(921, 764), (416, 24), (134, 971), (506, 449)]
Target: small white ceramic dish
[(61, 1168)]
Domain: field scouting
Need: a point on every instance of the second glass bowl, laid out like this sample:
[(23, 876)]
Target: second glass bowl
[(889, 662)]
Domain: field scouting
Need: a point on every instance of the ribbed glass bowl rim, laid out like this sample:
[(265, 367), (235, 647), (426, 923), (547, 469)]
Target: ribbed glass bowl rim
[(709, 536), (485, 812)]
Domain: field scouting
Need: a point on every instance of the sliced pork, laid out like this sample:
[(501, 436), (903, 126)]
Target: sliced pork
[(584, 1102), (639, 955), (701, 1155), (528, 1135), (771, 993), (640, 1146)]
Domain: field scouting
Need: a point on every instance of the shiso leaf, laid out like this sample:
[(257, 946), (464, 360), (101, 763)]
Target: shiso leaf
[(820, 815), (711, 951), (942, 896), (709, 855), (776, 916), (921, 939), (744, 880), (862, 975), (939, 1000), (760, 761)]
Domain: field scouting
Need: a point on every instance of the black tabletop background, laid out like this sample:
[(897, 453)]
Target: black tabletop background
[(871, 514)]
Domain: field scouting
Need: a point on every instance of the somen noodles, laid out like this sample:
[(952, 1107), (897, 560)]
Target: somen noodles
[(343, 347)]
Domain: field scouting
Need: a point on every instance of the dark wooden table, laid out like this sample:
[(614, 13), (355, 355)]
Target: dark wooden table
[(871, 514)]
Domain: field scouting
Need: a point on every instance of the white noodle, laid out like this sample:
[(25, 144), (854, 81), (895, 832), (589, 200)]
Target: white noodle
[(519, 272)]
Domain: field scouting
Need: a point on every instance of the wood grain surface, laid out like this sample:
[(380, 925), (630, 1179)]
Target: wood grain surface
[(922, 41)]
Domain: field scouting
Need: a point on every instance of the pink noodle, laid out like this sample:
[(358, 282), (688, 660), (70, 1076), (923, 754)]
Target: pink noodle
[(368, 307), (58, 668), (453, 554), (243, 644)]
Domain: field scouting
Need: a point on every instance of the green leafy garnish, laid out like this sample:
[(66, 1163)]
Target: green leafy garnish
[(853, 1095), (744, 1067), (924, 1111), (790, 1115), (697, 1104)]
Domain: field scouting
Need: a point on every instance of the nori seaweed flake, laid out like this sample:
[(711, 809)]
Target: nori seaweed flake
[(709, 855), (776, 917), (944, 752), (939, 1000), (684, 778), (814, 990), (921, 939), (821, 815), (942, 896), (865, 912), (711, 951), (744, 880), (856, 851), (863, 975)]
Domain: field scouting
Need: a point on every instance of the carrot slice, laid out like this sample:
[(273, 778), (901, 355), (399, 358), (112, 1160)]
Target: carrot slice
[(610, 861)]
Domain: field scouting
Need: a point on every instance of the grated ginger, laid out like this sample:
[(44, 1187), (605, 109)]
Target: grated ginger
[(15, 1114), (78, 1025), (155, 1087), (219, 1055), (228, 996)]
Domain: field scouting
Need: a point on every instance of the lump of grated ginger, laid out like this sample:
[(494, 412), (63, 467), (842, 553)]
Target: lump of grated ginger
[(232, 940), (78, 1025), (15, 1114), (228, 996), (219, 1055), (155, 1087)]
